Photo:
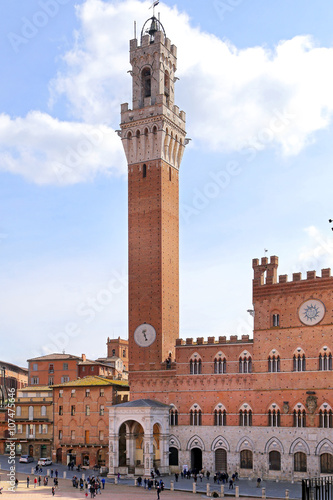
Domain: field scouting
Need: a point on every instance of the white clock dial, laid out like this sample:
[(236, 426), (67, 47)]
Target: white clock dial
[(145, 335), (311, 312)]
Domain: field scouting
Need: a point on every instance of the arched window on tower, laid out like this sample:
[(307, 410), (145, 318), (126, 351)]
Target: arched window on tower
[(325, 416), (220, 415), (299, 360), (274, 416), (245, 363), (173, 414), (220, 363), (167, 84), (274, 361), (195, 415), (325, 359), (299, 415), (245, 416), (146, 82), (195, 365)]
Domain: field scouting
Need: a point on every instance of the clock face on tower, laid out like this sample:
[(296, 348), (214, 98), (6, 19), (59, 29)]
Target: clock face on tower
[(311, 312), (145, 335)]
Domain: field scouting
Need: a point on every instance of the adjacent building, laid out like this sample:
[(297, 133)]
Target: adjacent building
[(81, 419), (34, 421), (11, 377)]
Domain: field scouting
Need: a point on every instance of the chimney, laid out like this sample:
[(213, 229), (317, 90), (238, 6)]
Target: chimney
[(84, 357)]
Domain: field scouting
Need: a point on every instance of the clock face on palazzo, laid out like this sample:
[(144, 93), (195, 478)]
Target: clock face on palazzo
[(311, 312), (144, 335)]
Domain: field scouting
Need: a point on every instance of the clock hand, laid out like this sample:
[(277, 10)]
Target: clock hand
[(144, 334)]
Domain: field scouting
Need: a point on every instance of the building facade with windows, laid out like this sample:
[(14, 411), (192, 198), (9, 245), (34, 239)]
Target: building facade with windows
[(81, 419), (56, 368), (34, 422), (260, 406)]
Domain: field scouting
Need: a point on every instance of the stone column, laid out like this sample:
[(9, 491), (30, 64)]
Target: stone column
[(164, 453), (148, 453), (130, 450), (113, 454)]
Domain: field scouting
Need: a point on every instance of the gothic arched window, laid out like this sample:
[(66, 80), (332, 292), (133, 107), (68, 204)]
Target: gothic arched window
[(245, 364), (220, 365), (146, 82)]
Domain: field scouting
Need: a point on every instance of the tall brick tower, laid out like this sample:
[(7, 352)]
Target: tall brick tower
[(153, 136)]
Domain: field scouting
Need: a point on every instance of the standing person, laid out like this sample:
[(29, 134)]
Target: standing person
[(103, 483), (28, 481), (258, 482), (53, 491), (56, 473), (16, 483), (51, 473), (158, 492), (231, 484), (39, 480), (35, 482)]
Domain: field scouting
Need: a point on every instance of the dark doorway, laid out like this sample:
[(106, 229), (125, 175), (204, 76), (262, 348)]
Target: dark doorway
[(196, 459), (59, 456), (31, 450), (220, 460), (173, 456)]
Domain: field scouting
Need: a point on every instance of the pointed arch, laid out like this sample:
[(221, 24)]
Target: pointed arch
[(174, 442), (324, 446), (195, 442), (299, 445), (274, 444), (220, 442), (245, 443)]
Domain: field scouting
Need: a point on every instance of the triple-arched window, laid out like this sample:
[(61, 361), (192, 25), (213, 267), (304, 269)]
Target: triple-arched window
[(195, 415), (220, 365), (273, 362), (325, 360), (195, 366), (274, 416), (245, 363), (173, 416), (299, 416), (245, 416), (220, 417), (326, 416), (299, 361)]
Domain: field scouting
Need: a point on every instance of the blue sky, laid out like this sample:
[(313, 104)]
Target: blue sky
[(256, 83)]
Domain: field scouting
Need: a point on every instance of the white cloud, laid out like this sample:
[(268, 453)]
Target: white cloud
[(318, 252), (48, 151), (233, 97)]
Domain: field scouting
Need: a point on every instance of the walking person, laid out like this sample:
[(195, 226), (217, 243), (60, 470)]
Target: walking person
[(158, 489), (53, 491), (35, 482)]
